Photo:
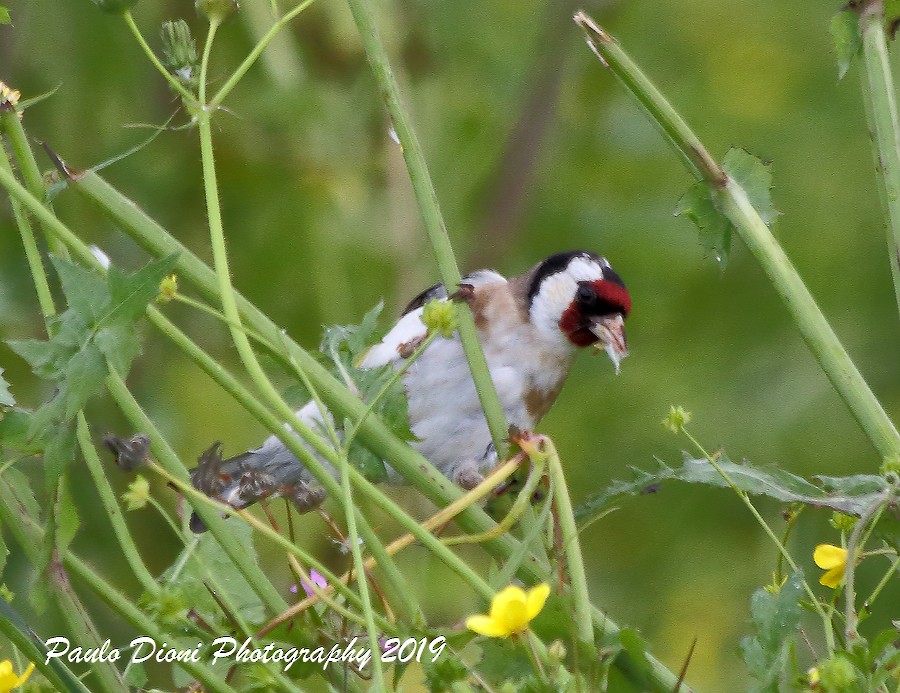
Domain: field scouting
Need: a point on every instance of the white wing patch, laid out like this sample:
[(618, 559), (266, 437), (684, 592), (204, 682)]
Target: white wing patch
[(409, 330)]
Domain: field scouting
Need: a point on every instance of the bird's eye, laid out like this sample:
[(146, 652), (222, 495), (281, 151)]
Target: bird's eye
[(585, 294)]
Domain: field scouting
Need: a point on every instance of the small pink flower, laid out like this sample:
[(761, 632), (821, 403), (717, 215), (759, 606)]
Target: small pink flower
[(317, 579)]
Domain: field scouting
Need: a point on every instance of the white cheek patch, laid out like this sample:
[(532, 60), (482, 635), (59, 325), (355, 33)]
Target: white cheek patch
[(557, 292)]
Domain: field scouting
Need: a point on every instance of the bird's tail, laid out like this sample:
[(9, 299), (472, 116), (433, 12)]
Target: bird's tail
[(244, 479)]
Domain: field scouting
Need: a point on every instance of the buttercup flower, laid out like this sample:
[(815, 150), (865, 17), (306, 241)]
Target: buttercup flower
[(833, 560), (511, 611), (8, 678)]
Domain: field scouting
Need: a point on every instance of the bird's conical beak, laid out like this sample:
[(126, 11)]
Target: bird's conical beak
[(610, 330)]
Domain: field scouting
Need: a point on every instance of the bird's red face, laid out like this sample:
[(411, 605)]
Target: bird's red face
[(597, 313)]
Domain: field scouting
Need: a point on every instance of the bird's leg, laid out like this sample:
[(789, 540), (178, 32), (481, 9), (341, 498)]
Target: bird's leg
[(532, 446)]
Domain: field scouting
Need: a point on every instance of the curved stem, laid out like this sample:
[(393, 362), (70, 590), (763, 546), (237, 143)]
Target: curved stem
[(174, 83)]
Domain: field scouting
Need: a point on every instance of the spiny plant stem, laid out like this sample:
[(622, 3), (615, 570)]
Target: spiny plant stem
[(30, 537), (732, 201), (426, 199), (881, 108)]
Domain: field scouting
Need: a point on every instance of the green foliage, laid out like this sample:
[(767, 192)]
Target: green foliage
[(344, 347), (4, 15), (775, 619), (851, 495), (96, 329), (6, 398), (846, 37), (699, 203), (442, 674)]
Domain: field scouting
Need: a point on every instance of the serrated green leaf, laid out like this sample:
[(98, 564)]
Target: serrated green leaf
[(129, 294), (85, 291), (851, 495), (845, 36), (85, 373), (120, 344), (715, 229), (15, 425), (42, 356), (755, 177), (6, 398)]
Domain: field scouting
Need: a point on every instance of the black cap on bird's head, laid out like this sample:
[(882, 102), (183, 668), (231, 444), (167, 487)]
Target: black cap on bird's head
[(578, 294)]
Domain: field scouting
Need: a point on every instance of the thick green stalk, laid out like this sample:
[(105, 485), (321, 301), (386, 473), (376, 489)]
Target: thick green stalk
[(571, 545), (362, 581), (884, 123), (377, 436), (29, 242), (31, 174), (431, 215), (127, 546), (732, 201)]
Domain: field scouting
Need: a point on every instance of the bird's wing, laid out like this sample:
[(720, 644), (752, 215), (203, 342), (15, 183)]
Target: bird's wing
[(410, 330)]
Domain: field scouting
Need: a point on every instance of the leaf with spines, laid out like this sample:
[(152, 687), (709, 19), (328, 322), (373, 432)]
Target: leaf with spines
[(845, 36), (851, 495), (699, 203)]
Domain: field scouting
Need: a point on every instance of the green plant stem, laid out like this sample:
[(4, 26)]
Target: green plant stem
[(895, 564), (139, 420), (29, 242), (127, 546), (189, 491), (732, 201), (254, 54), (410, 609), (174, 83), (434, 222), (361, 579), (377, 436), (571, 545), (21, 635), (782, 549), (30, 537), (31, 174), (881, 110), (855, 544)]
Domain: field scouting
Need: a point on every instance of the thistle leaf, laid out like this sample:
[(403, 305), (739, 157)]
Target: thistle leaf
[(755, 177)]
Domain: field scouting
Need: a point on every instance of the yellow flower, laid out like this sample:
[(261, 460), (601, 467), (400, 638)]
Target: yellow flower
[(8, 678), (833, 560), (168, 288), (511, 611), (138, 494), (9, 95)]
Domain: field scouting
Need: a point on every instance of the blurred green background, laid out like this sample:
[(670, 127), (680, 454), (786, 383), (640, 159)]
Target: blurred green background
[(534, 148)]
